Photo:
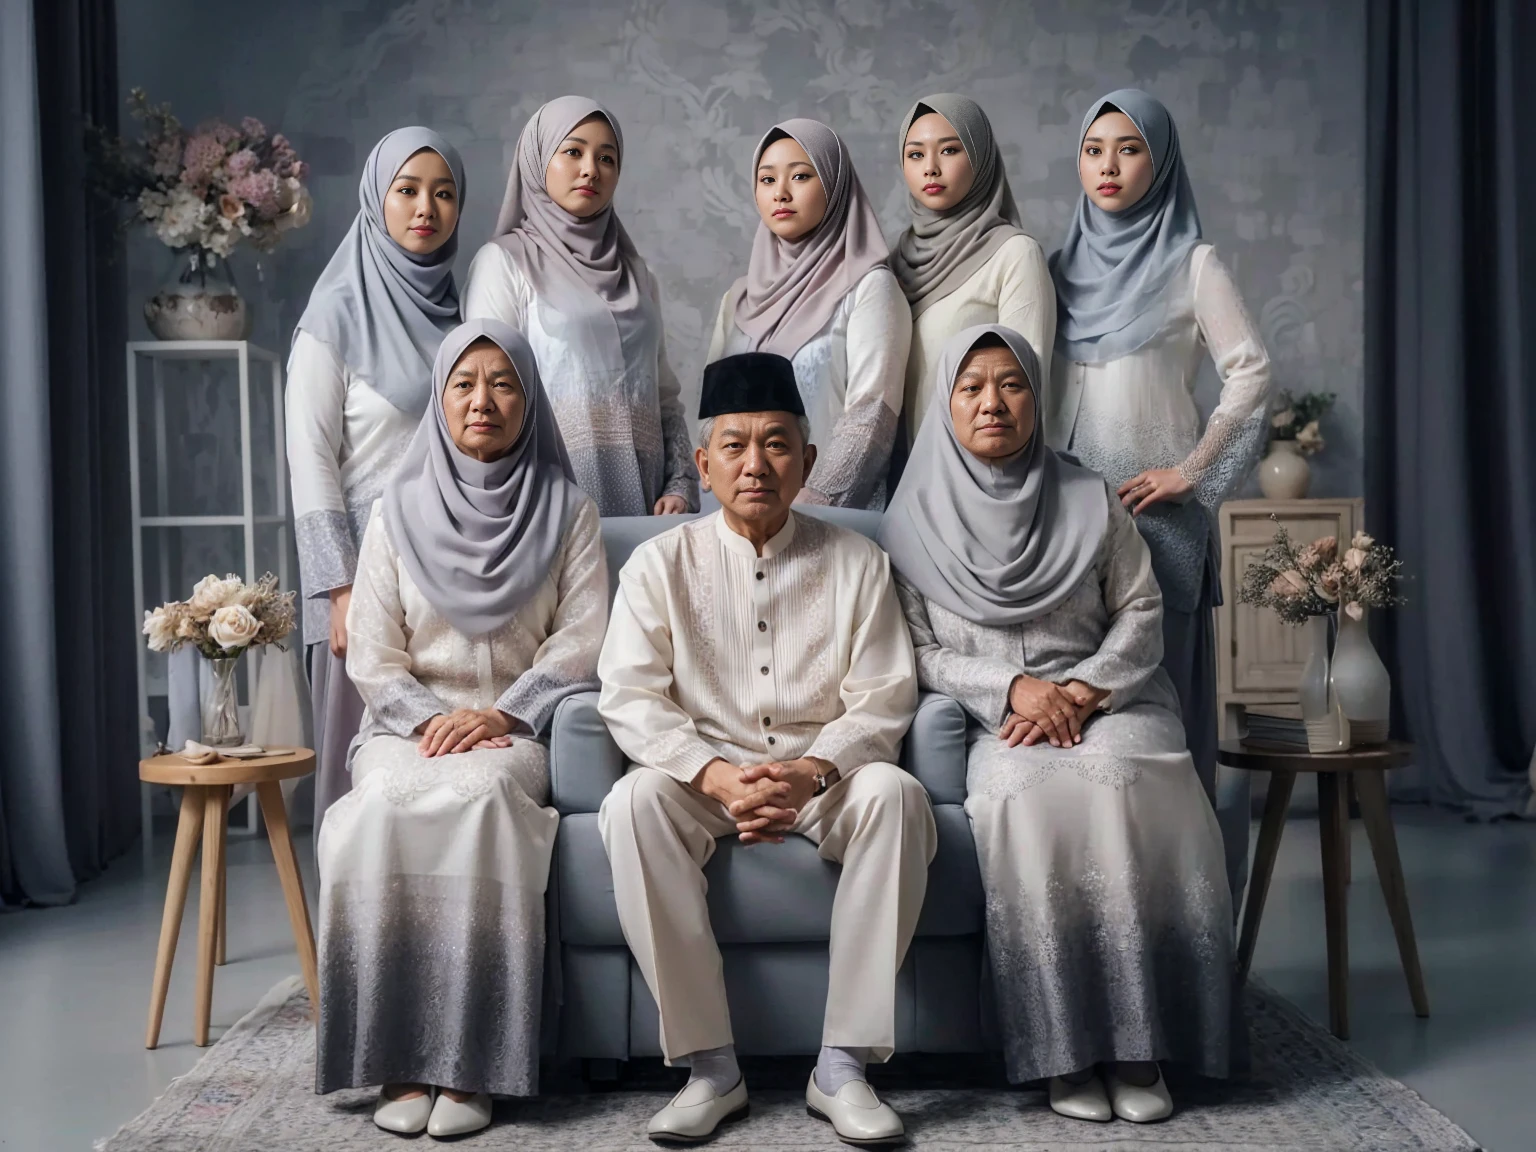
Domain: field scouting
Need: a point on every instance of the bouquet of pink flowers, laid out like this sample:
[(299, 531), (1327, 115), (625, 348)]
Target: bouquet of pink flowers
[(207, 189), (1314, 580), (223, 617), (1299, 418)]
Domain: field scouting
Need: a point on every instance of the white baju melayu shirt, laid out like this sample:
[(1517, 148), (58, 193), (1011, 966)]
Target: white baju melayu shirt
[(714, 651)]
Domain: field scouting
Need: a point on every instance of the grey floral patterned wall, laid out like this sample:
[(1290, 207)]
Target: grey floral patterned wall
[(1268, 96)]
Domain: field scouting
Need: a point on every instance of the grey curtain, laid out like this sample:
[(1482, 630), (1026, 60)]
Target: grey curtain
[(68, 767), (1450, 388)]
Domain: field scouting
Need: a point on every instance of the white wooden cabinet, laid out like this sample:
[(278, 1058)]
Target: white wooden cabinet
[(1259, 659)]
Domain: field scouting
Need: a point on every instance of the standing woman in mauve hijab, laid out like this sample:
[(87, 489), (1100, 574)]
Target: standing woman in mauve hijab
[(964, 260), (820, 292), (562, 270), (1141, 301), (359, 377)]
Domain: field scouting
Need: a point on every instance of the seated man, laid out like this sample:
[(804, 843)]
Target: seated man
[(758, 672)]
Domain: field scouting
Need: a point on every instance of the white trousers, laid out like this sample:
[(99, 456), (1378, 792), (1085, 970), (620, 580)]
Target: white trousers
[(659, 833)]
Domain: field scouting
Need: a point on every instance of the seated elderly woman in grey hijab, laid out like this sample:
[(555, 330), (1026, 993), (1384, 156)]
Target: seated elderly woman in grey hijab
[(480, 602), (1031, 600)]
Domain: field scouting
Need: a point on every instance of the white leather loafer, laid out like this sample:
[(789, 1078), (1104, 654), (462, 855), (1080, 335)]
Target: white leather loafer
[(452, 1118), (696, 1112), (403, 1117), (1085, 1101), (1140, 1105), (856, 1114)]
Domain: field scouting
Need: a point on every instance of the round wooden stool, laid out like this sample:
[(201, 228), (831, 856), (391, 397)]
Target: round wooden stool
[(1363, 768), (204, 816)]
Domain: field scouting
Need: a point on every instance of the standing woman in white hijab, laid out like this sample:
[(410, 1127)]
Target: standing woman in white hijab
[(481, 600), (819, 291), (563, 271), (1141, 301), (359, 377), (964, 259)]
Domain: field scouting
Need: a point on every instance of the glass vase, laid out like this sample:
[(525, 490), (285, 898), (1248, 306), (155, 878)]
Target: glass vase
[(198, 300), (220, 705), (1327, 730)]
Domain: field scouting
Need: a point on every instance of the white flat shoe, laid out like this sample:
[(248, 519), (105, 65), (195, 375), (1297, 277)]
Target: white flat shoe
[(856, 1114), (452, 1118), (696, 1112), (403, 1117), (1140, 1105), (1085, 1101)]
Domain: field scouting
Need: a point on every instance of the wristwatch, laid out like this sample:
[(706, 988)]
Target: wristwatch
[(825, 780)]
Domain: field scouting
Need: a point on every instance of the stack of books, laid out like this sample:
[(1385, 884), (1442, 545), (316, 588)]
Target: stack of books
[(1281, 726)]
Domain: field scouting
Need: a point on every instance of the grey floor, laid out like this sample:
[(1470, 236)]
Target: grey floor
[(74, 981)]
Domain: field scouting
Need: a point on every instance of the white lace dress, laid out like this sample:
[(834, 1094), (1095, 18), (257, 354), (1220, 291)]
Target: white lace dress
[(433, 871), (1109, 924), (850, 376)]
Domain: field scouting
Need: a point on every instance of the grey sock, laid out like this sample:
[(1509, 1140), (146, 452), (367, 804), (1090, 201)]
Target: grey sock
[(718, 1066), (837, 1066)]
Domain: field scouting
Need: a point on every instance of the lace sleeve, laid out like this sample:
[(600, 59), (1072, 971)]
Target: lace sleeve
[(980, 684), (680, 477), (1233, 436), (849, 470)]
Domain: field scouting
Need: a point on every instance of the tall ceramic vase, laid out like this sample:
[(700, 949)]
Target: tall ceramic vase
[(1361, 682), (1327, 729), (220, 705), (1284, 473)]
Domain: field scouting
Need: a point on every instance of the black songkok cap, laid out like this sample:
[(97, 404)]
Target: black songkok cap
[(749, 382)]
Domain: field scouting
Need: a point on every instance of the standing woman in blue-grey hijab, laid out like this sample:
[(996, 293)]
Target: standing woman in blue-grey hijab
[(1141, 300), (359, 377)]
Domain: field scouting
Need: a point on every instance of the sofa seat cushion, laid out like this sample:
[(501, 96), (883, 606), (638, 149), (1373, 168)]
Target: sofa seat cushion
[(768, 894)]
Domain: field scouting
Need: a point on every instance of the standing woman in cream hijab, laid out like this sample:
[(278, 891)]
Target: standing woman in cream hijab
[(563, 271), (964, 259), (359, 378), (1141, 301), (819, 291)]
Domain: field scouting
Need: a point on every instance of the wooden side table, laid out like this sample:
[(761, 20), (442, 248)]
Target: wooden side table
[(1363, 768), (204, 815)]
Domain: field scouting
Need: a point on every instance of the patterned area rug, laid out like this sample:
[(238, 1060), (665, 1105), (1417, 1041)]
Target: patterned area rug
[(254, 1092)]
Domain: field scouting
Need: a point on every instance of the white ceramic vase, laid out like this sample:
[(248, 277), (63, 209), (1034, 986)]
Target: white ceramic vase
[(1284, 473), (1327, 729), (198, 301), (1361, 682)]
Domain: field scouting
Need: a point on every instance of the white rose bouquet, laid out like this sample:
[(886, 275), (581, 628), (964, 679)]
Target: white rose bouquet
[(1314, 580), (223, 617), (1299, 418)]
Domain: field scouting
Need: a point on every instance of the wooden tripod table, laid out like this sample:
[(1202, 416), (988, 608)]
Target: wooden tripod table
[(204, 816), (1365, 768)]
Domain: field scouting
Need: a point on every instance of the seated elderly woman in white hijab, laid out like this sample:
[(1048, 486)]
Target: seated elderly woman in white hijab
[(1031, 600), (480, 602)]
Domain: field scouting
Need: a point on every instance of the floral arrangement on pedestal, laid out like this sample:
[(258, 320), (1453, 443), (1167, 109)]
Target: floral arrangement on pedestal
[(1295, 432), (222, 618), (1304, 586), (202, 193)]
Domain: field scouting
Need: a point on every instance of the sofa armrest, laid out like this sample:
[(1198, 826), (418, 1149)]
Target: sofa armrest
[(584, 762), (934, 750)]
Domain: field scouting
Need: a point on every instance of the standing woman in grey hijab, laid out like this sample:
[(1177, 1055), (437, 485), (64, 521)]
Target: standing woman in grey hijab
[(359, 376), (562, 270), (480, 603), (1031, 601), (1141, 301), (964, 259), (819, 291)]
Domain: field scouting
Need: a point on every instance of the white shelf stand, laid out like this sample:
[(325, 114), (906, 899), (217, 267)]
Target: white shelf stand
[(157, 353)]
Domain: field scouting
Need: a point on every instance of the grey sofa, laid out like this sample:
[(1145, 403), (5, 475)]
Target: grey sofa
[(770, 906)]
